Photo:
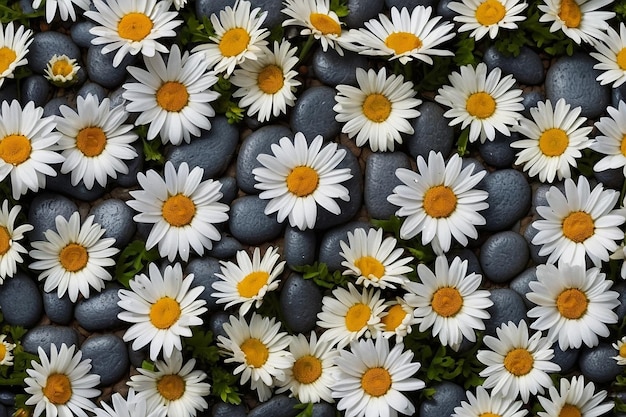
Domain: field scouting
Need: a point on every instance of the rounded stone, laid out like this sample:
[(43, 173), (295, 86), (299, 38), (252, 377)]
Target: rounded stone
[(498, 152), (136, 357), (503, 256), (529, 233), (473, 264), (323, 409), (4, 412), (134, 165), (566, 359), (539, 194), (611, 178), (530, 100), (216, 323), (380, 180), (53, 105), (362, 10), (93, 89), (444, 11), (299, 246), (204, 270), (99, 311), (225, 248), (44, 208), (618, 94), (20, 301), (60, 310), (109, 357), (221, 409), (333, 69), (597, 363), (507, 306), (329, 244), (100, 67), (36, 89), (519, 284), (509, 199), (526, 67), (205, 8), (273, 9), (229, 189), (249, 224), (45, 45), (409, 4), (277, 406), (313, 113), (620, 288), (79, 32), (116, 217), (300, 301), (47, 334), (62, 183), (447, 396), (7, 398), (431, 132)]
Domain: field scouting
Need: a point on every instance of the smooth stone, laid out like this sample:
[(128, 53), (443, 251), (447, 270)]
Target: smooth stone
[(134, 165), (473, 264), (380, 180), (574, 79), (498, 152), (222, 409), (211, 151), (93, 89), (300, 302), (136, 357), (53, 105), (519, 284), (116, 98), (277, 406), (216, 323), (47, 334), (565, 359), (431, 132), (448, 395), (249, 224), (4, 412), (597, 363), (299, 246), (329, 244), (7, 398), (20, 300), (35, 88), (530, 100), (204, 270), (361, 11), (59, 310), (611, 178), (539, 193), (45, 45), (100, 67), (99, 311), (44, 208), (444, 11), (26, 6), (258, 142), (109, 357), (273, 9), (618, 94), (229, 189), (225, 248), (507, 306), (526, 68), (333, 69), (62, 183), (205, 8), (620, 310), (323, 409), (529, 234), (117, 219), (503, 256), (79, 32), (509, 199), (313, 113), (9, 91), (409, 4)]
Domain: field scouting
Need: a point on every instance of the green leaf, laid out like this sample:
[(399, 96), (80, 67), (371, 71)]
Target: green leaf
[(225, 385), (152, 151), (307, 409), (133, 260), (340, 7), (201, 347), (320, 274)]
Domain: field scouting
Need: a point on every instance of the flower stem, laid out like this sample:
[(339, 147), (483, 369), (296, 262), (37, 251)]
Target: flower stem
[(306, 48)]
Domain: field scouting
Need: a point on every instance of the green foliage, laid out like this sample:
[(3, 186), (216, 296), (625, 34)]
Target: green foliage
[(133, 260), (619, 7), (431, 77), (306, 409), (14, 375), (201, 347), (194, 30), (224, 105), (320, 274), (148, 365), (461, 145), (152, 151), (340, 7), (421, 253), (10, 11), (465, 54), (225, 385), (619, 405)]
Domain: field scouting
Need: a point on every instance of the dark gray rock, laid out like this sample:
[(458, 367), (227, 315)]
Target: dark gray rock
[(324, 410), (100, 67), (36, 89), (313, 113), (618, 94), (507, 306), (597, 363), (380, 180), (519, 284), (109, 357), (277, 406), (58, 310), (333, 69), (4, 412), (529, 234), (216, 323), (503, 256), (300, 301), (249, 224), (99, 311), (52, 106), (9, 91), (225, 248), (221, 409), (93, 89), (565, 359), (205, 8), (7, 398), (409, 4), (444, 11), (530, 100), (329, 244), (45, 45), (498, 152), (539, 193), (431, 132), (79, 32), (45, 335), (134, 166), (116, 98), (229, 189), (473, 264), (620, 287), (362, 10), (44, 208), (526, 68), (509, 198), (448, 395), (62, 183), (273, 8), (204, 270), (26, 6), (611, 178), (20, 301), (299, 246), (117, 219)]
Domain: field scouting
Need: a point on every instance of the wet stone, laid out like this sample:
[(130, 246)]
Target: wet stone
[(229, 189), (361, 11), (507, 306), (59, 310), (530, 100), (431, 132), (519, 284), (277, 406), (136, 357), (99, 311), (20, 300), (36, 89), (329, 244), (503, 256), (299, 246), (333, 69), (47, 334), (300, 301), (9, 92), (323, 410), (597, 363), (526, 68), (205, 8), (44, 208), (100, 67), (117, 219), (565, 359), (7, 398), (498, 153), (273, 8), (109, 357), (444, 11), (216, 323), (529, 233), (221, 409), (611, 178), (225, 248), (618, 94), (313, 113), (509, 198), (4, 412), (380, 180), (80, 33), (248, 222), (52, 106), (447, 396), (539, 194), (93, 89), (62, 183), (134, 166), (45, 45), (409, 4), (473, 264), (204, 270)]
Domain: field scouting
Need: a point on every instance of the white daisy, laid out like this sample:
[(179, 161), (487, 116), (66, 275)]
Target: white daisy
[(516, 364), (259, 350), (313, 372), (247, 281), (554, 139), (26, 140), (62, 71), (575, 398), (61, 385), (620, 255), (74, 257), (179, 4), (183, 209), (398, 319), (573, 305), (10, 235), (486, 405), (132, 406), (132, 26), (65, 8), (172, 98), (239, 36), (13, 49), (175, 385), (95, 141), (349, 314), (580, 20), (407, 36), (378, 110), (612, 56), (484, 102), (299, 176), (440, 201), (484, 17), (373, 261), (612, 141), (371, 378), (267, 84), (578, 223), (620, 346), (6, 349), (162, 308), (449, 301)]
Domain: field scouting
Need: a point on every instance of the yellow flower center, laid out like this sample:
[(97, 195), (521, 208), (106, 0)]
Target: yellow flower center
[(7, 57), (488, 414), (357, 317), (572, 303), (578, 226), (307, 369), (15, 149), (252, 283), (58, 389), (376, 381), (570, 410), (377, 107), (519, 362), (622, 350), (302, 181), (480, 105), (621, 59), (570, 13), (178, 210), (439, 201), (164, 313), (325, 24), (490, 12), (134, 26), (370, 266), (622, 146), (172, 96), (171, 387), (553, 142), (402, 42), (256, 352), (271, 79), (234, 42), (3, 351), (394, 317), (73, 257), (62, 67), (5, 240), (91, 141), (447, 301)]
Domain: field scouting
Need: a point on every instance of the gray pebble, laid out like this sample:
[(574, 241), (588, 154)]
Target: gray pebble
[(529, 234), (59, 310), (45, 45), (409, 4), (249, 224), (503, 256), (329, 244), (7, 398), (539, 193), (509, 199), (79, 32), (611, 178), (526, 67), (4, 412), (35, 88), (323, 409), (26, 6), (565, 359), (225, 248), (47, 334), (333, 69), (620, 287), (136, 357), (205, 8), (300, 301), (313, 113), (498, 152), (273, 8), (530, 100), (52, 106), (299, 246), (380, 180), (9, 91), (20, 300), (229, 189), (221, 409), (519, 284), (134, 166), (109, 357), (100, 67), (62, 183), (277, 406), (99, 311), (117, 219), (618, 94), (448, 395), (204, 270), (473, 264), (597, 363), (44, 208), (444, 11), (362, 10), (116, 98), (93, 89), (431, 132), (216, 323), (507, 306)]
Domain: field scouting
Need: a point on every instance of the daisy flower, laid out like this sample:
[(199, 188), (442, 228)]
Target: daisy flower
[(162, 308), (515, 363), (61, 385), (26, 140), (398, 319), (247, 281), (578, 223), (132, 26), (484, 17), (10, 249), (378, 110), (575, 398), (95, 141), (182, 208), (6, 357), (440, 201), (573, 304), (371, 378), (313, 372), (484, 102), (129, 407), (620, 346), (172, 98), (580, 20), (449, 301), (175, 385), (373, 261), (407, 36), (350, 314), (74, 257), (258, 349), (267, 84), (620, 255), (486, 405), (612, 142), (238, 37), (65, 8), (299, 176), (13, 49), (317, 19), (62, 71), (554, 139), (612, 56)]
